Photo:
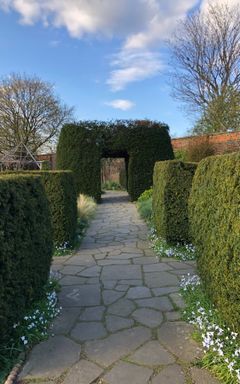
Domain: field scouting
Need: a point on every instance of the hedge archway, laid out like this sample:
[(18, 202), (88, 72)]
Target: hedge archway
[(82, 145)]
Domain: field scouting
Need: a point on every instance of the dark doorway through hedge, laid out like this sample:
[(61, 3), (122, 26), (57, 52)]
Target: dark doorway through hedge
[(140, 142)]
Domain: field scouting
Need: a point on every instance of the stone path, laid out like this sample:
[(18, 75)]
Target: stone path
[(120, 322)]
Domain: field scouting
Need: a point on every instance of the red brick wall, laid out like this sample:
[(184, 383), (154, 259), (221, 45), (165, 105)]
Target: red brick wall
[(51, 157), (222, 142)]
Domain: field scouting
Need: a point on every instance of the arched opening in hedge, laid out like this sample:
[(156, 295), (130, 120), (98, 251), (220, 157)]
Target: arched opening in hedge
[(141, 143)]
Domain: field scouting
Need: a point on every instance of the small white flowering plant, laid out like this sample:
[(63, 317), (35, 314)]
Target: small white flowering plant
[(221, 344), (31, 329), (179, 251), (62, 249)]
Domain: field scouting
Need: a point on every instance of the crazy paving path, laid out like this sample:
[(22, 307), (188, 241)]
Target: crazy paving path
[(120, 322)]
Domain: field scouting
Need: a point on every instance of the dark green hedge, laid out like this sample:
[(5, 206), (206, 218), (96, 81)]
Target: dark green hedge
[(214, 212), (25, 246), (81, 147), (61, 193), (172, 183)]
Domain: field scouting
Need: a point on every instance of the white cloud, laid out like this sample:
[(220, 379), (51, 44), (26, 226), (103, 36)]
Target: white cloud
[(142, 26), (122, 104), (133, 66)]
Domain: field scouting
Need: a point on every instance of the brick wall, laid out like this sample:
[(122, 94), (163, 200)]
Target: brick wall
[(222, 142), (50, 157)]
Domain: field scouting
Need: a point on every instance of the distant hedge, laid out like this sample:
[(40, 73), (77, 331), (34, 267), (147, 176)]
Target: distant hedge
[(25, 246), (214, 211), (172, 183), (61, 193), (81, 147)]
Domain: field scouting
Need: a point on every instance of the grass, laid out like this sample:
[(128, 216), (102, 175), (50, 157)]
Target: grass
[(110, 185), (31, 329), (145, 209), (86, 210), (221, 344)]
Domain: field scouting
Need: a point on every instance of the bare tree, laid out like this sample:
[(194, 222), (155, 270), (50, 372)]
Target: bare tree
[(206, 60), (30, 113)]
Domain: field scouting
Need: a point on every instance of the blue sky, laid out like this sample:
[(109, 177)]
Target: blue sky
[(107, 58)]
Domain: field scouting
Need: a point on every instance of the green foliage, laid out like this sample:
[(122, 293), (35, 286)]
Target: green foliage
[(180, 154), (123, 178), (111, 185), (145, 209), (62, 197), (25, 247), (61, 194), (45, 165), (81, 147), (215, 227), (221, 344), (171, 187), (30, 329), (146, 195)]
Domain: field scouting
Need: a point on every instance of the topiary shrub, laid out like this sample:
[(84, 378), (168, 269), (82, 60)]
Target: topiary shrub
[(172, 183), (61, 193), (81, 147), (25, 246), (215, 226)]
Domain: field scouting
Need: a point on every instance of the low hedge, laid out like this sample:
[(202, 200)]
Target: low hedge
[(214, 212), (25, 246), (62, 196), (172, 181)]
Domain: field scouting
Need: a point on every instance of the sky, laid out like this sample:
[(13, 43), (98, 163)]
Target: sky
[(107, 58)]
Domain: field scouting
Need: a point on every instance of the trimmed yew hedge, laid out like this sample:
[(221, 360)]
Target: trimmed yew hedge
[(61, 193), (172, 183), (214, 212), (25, 246), (81, 147)]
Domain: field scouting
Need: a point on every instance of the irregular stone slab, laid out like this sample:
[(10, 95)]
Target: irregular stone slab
[(64, 321), (179, 265), (178, 300), (125, 256), (72, 280), (148, 317), (161, 303), (160, 279), (124, 373), (80, 296), (113, 262), (115, 346), (122, 307), (131, 282), (122, 288), (173, 316), (88, 331), (51, 358), (91, 314), (183, 272), (109, 284), (110, 296), (111, 272), (159, 267), (84, 372), (115, 323), (152, 354), (138, 292), (146, 260), (93, 280), (176, 336), (91, 272), (164, 290), (202, 376), (83, 260), (172, 374), (60, 259), (71, 269)]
